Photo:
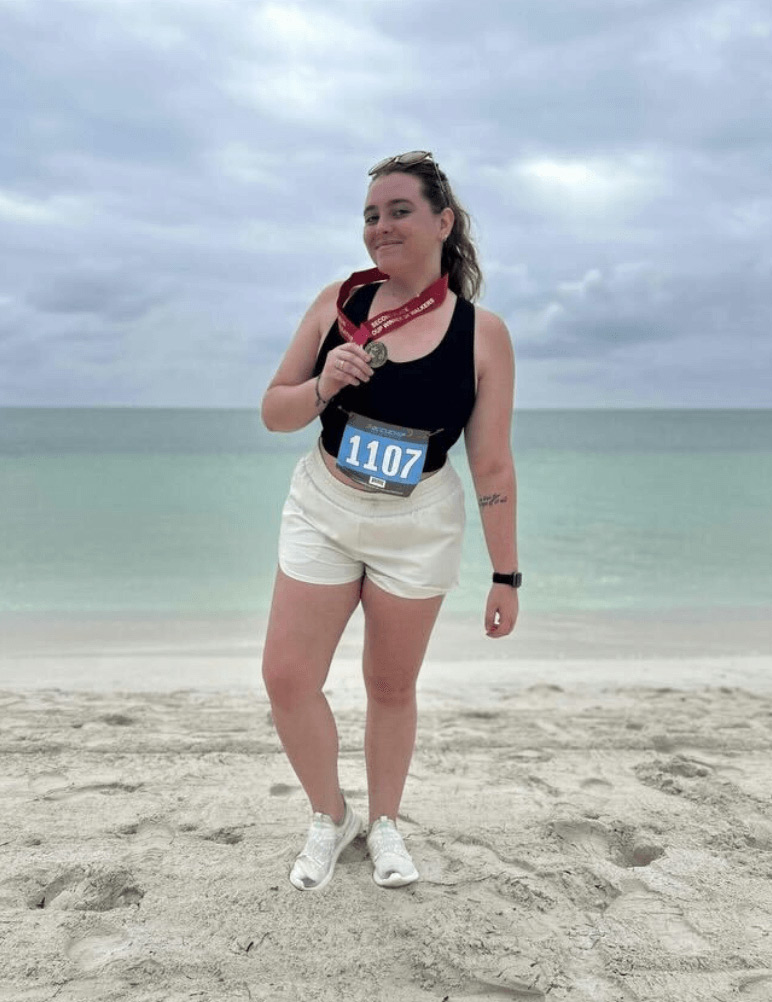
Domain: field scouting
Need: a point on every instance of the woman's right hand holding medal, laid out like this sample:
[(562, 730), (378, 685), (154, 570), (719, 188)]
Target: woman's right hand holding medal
[(346, 365)]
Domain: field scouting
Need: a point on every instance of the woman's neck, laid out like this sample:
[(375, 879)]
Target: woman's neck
[(403, 288)]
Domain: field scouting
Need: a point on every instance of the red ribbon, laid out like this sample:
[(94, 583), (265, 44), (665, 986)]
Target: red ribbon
[(426, 301)]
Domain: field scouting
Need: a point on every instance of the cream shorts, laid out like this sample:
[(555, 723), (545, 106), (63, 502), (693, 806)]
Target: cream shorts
[(409, 546)]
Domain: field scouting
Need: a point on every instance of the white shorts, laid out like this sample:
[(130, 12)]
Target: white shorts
[(409, 546)]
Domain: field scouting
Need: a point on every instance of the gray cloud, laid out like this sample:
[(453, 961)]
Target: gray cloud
[(178, 179)]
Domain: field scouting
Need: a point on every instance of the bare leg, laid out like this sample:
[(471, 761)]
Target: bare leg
[(397, 632), (305, 625)]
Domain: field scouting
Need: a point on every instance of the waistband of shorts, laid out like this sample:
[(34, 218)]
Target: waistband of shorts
[(427, 492)]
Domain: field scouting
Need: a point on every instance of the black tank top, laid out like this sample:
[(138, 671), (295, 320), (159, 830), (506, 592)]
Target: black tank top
[(435, 393)]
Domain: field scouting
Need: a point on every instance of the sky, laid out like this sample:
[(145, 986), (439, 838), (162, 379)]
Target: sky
[(180, 178)]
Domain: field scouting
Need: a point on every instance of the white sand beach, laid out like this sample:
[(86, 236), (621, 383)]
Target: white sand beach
[(589, 806)]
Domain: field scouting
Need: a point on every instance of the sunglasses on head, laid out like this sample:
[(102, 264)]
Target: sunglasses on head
[(409, 160)]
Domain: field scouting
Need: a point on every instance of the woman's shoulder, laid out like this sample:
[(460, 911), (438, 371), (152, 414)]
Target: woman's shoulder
[(324, 308), (326, 303), (489, 326), (492, 343), (328, 296)]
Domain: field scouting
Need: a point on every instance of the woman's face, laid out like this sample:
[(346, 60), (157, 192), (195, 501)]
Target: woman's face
[(401, 232)]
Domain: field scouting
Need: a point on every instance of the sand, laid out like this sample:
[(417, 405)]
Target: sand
[(587, 827)]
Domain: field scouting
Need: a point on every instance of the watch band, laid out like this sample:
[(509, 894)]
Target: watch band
[(515, 579)]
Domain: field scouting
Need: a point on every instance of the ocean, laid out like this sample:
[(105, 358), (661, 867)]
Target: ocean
[(173, 511)]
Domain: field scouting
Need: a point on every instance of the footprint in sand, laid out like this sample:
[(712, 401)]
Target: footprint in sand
[(25, 994), (58, 786), (101, 944), (622, 847), (481, 990), (590, 839), (46, 783), (88, 889), (674, 775), (757, 986), (77, 990), (282, 789), (595, 784), (532, 755), (150, 841), (754, 923), (225, 836), (640, 910), (467, 858), (117, 719), (688, 766)]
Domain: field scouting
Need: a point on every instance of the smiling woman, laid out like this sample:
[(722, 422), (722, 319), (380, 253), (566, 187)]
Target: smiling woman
[(397, 362), (459, 257)]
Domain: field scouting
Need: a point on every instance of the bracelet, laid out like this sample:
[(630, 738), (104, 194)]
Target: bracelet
[(319, 398), (514, 580)]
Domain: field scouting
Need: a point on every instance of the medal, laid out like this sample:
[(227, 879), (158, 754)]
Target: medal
[(377, 352)]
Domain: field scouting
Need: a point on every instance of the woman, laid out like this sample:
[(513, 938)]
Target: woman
[(375, 512)]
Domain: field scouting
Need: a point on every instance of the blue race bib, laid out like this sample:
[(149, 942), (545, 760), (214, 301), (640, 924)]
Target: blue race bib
[(382, 455)]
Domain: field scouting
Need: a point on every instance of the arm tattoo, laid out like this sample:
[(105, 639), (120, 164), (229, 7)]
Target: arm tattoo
[(488, 499)]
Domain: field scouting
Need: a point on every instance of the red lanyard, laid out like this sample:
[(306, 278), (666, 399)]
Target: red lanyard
[(431, 297)]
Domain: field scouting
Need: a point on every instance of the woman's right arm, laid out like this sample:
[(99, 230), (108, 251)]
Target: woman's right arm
[(291, 400)]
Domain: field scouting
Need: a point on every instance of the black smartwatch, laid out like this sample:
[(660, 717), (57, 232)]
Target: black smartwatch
[(515, 579)]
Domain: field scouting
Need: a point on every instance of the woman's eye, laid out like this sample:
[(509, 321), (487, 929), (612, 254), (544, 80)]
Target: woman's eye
[(370, 219)]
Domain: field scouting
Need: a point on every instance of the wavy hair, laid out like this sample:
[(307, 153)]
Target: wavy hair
[(459, 254)]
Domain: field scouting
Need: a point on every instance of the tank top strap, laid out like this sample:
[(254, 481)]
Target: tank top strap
[(463, 317), (459, 339), (358, 306)]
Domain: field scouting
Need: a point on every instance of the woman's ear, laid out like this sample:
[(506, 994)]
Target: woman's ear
[(447, 218)]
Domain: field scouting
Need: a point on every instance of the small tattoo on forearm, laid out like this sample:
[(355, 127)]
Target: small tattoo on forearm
[(488, 499)]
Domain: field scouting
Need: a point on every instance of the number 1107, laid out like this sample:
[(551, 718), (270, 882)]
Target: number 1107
[(390, 461)]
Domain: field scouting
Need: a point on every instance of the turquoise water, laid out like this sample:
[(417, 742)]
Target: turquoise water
[(177, 511)]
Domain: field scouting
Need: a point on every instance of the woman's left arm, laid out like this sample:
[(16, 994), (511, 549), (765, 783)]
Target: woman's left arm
[(488, 449)]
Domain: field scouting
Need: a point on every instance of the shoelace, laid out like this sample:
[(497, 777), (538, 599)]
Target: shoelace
[(386, 838)]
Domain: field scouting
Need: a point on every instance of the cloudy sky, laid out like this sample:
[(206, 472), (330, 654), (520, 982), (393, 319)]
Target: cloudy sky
[(178, 179)]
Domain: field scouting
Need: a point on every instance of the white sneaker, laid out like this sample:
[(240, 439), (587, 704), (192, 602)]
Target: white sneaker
[(314, 867), (393, 866)]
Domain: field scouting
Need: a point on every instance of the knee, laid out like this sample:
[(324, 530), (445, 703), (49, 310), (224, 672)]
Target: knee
[(389, 691), (287, 683)]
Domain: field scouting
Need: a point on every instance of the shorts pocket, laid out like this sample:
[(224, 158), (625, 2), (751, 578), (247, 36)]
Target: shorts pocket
[(441, 530), (448, 513)]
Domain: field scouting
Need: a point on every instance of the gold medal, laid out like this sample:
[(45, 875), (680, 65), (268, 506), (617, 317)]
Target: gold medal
[(377, 352)]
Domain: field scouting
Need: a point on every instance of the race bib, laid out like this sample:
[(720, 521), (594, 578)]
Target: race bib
[(382, 455)]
